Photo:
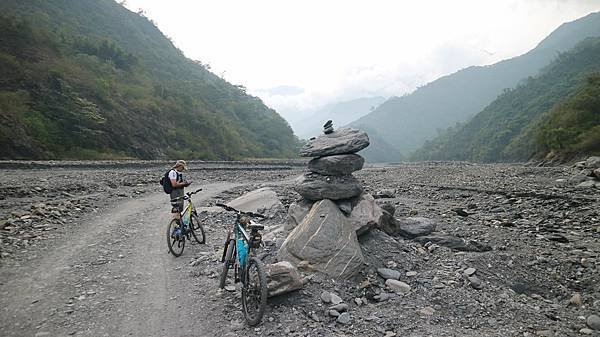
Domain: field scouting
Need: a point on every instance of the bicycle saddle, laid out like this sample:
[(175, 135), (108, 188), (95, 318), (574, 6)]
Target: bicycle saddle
[(256, 227)]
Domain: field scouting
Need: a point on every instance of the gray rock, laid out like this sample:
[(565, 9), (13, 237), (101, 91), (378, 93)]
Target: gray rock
[(587, 184), (296, 212), (597, 173), (313, 186), (333, 313), (344, 318), (341, 307), (455, 243), (475, 282), (282, 278), (252, 201), (413, 227), (341, 141), (326, 297), (366, 214), (326, 240), (470, 271), (336, 165), (593, 321), (345, 206), (397, 286), (387, 273), (335, 299), (592, 163), (385, 193)]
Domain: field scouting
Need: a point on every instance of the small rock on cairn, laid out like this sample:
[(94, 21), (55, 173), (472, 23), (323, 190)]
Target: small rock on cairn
[(334, 209)]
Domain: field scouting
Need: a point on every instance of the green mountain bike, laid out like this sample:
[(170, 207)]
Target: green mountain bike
[(179, 230), (239, 254)]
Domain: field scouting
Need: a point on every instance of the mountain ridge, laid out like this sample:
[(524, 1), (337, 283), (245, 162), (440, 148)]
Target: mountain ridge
[(407, 122)]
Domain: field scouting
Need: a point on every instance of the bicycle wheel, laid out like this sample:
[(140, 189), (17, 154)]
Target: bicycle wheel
[(254, 292), (228, 260), (175, 238), (197, 229)]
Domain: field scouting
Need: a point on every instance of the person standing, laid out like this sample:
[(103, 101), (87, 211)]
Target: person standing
[(177, 184)]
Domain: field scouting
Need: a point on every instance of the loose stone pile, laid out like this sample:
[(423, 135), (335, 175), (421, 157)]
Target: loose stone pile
[(334, 209)]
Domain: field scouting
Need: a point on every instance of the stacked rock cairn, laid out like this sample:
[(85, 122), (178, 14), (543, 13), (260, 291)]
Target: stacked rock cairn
[(333, 211)]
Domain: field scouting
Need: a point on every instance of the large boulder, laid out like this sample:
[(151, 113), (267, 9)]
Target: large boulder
[(366, 214), (296, 212), (314, 186), (326, 241), (336, 165), (282, 278), (262, 198), (341, 141)]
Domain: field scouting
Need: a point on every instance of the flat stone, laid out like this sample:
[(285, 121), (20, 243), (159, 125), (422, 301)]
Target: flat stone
[(262, 198), (313, 186), (470, 271), (334, 313), (397, 286), (341, 307), (586, 331), (413, 227), (341, 141), (587, 184), (387, 273), (336, 165)]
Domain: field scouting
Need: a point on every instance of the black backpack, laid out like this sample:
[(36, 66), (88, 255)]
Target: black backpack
[(166, 183)]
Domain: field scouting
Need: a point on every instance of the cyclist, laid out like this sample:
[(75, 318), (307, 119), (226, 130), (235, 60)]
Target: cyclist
[(178, 184)]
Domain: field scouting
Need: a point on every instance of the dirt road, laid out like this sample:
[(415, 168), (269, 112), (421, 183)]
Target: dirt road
[(112, 276)]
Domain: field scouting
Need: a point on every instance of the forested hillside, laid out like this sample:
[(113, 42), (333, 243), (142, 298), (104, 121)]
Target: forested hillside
[(557, 113), (90, 79), (406, 122)]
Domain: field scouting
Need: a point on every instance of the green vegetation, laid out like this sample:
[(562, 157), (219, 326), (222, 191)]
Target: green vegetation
[(555, 112), (89, 79), (572, 127), (406, 122)]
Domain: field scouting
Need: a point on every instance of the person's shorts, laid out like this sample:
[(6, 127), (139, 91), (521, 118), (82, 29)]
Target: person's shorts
[(177, 207)]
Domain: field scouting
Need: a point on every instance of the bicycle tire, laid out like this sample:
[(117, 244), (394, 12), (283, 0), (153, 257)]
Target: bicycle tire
[(254, 295), (228, 257), (197, 229), (175, 244)]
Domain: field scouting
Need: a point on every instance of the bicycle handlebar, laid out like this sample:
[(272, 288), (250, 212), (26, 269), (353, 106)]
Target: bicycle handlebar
[(187, 196), (231, 209)]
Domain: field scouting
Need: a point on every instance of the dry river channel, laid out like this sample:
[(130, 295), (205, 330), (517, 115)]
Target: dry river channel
[(83, 252)]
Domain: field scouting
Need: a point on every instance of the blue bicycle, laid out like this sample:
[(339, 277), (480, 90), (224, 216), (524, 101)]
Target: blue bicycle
[(238, 255)]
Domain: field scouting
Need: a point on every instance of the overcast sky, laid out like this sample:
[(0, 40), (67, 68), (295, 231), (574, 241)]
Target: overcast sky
[(300, 54)]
